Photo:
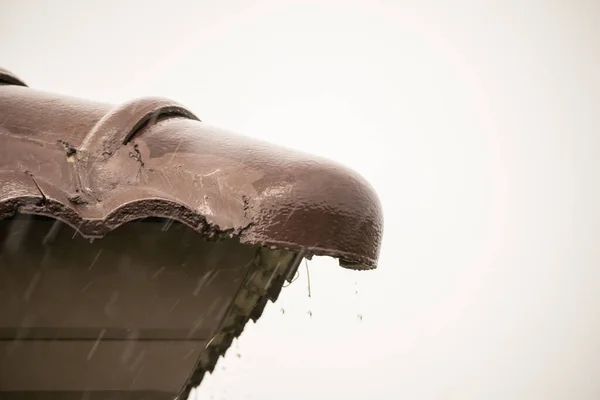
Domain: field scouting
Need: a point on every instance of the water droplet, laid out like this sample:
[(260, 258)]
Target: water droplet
[(95, 260), (95, 346)]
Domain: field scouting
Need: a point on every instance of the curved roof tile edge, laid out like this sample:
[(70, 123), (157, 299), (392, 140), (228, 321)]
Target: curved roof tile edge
[(152, 157)]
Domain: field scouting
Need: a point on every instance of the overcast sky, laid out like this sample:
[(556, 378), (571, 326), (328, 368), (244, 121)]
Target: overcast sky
[(476, 122)]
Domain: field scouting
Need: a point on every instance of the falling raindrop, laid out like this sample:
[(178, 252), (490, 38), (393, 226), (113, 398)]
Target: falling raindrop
[(174, 305), (111, 308), (167, 225), (307, 276), (309, 313), (360, 317), (86, 286), (137, 363), (238, 355), (282, 311), (130, 348), (189, 354), (51, 235), (32, 285), (76, 231), (17, 232), (160, 270), (95, 346), (202, 282), (95, 259)]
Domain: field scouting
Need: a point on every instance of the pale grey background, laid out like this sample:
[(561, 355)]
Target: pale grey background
[(476, 122)]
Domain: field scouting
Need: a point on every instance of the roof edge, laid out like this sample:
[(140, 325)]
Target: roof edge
[(164, 208)]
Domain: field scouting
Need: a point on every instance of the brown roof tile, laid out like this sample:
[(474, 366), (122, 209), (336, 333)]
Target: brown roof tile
[(96, 166)]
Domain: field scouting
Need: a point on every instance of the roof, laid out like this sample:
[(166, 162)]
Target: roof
[(96, 166)]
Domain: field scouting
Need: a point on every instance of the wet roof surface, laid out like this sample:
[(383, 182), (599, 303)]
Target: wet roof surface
[(96, 166)]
